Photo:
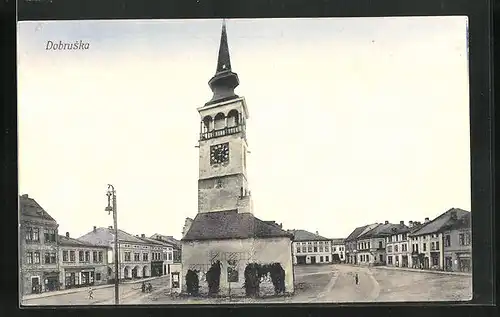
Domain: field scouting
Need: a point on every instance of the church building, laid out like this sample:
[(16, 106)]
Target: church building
[(225, 228)]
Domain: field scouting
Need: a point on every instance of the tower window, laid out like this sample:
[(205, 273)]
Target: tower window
[(219, 121), (207, 124), (233, 118)]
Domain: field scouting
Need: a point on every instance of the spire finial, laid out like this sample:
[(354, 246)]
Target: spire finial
[(224, 81)]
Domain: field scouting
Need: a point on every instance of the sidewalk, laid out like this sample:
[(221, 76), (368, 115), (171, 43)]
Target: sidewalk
[(85, 289), (420, 271)]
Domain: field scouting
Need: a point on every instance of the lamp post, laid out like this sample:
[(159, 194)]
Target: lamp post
[(112, 208)]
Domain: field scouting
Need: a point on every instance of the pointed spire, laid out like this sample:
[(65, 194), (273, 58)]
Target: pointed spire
[(224, 62), (224, 81)]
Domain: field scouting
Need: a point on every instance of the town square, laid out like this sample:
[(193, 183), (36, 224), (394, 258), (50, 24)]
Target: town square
[(152, 206)]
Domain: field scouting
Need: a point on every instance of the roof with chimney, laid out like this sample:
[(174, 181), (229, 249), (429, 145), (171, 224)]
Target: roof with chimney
[(105, 236), (29, 207), (168, 239), (462, 222), (303, 235), (231, 225), (441, 222), (382, 230), (70, 242), (359, 231), (155, 241)]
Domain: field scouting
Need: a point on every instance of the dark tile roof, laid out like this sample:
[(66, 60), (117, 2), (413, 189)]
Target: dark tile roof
[(382, 230), (461, 222), (231, 225), (439, 223), (303, 235), (65, 241), (29, 207), (105, 236), (399, 228), (355, 233)]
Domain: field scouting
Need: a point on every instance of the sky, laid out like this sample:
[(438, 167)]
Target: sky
[(352, 120)]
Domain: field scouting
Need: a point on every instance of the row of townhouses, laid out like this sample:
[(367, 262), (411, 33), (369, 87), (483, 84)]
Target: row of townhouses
[(311, 248), (49, 261), (443, 243)]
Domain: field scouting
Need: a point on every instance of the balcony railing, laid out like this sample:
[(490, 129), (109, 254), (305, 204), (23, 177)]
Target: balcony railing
[(220, 132)]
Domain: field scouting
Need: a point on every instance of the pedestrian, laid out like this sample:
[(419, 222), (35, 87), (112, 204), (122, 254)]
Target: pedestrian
[(91, 293), (356, 278), (150, 287), (143, 287)]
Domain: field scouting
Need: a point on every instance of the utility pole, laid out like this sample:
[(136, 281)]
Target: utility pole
[(112, 208)]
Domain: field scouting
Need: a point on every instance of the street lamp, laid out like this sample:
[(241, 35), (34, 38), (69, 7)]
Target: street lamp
[(112, 208)]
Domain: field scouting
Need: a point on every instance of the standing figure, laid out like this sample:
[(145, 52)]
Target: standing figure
[(91, 293), (356, 278), (150, 287), (143, 287)]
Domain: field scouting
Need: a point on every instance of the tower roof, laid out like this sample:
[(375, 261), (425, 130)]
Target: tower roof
[(225, 80)]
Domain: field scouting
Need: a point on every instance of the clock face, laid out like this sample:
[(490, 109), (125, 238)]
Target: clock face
[(219, 153)]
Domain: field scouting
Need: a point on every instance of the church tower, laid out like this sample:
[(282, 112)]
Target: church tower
[(222, 181)]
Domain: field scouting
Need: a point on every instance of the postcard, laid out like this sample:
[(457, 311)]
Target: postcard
[(216, 161)]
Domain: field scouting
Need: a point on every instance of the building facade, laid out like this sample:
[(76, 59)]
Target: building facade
[(310, 248), (397, 247), (81, 264), (225, 230), (351, 242), (427, 241), (162, 256), (138, 258), (457, 245), (338, 251), (38, 248), (372, 245)]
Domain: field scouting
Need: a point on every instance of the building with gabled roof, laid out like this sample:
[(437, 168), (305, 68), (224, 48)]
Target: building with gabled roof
[(225, 229), (136, 253), (82, 263), (310, 248), (38, 248), (427, 240), (457, 244), (338, 250), (371, 244), (351, 245)]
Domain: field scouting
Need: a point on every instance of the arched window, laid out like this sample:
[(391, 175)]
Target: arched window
[(233, 118), (207, 124), (219, 121)]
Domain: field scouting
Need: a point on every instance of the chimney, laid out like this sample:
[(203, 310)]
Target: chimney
[(95, 228), (67, 234), (410, 223), (426, 220), (453, 215), (387, 222), (110, 227), (143, 235), (281, 225), (402, 222), (317, 233)]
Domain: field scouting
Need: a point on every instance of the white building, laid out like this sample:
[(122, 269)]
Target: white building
[(310, 248), (338, 250), (138, 257), (427, 242)]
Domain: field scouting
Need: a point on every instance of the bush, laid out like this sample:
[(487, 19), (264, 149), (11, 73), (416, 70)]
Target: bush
[(192, 282), (278, 277), (213, 278), (253, 273)]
